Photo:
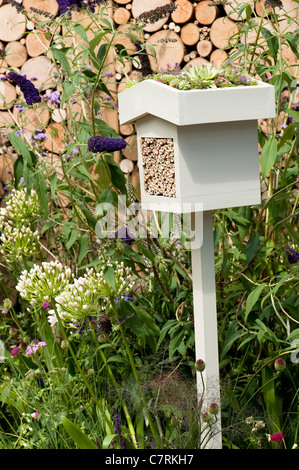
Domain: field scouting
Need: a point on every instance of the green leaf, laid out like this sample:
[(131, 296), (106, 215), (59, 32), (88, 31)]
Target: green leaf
[(83, 171), (53, 182), (118, 178), (272, 402), (294, 114), (109, 276), (72, 238), (253, 298), (42, 191), (102, 53), (104, 129), (82, 441), (47, 226), (20, 146), (18, 169), (60, 56), (271, 41), (95, 41), (252, 247), (108, 439), (230, 339), (268, 156), (83, 247)]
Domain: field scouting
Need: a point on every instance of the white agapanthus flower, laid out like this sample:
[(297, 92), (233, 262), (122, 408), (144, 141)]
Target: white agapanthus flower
[(17, 243), (43, 282), (90, 294), (22, 206)]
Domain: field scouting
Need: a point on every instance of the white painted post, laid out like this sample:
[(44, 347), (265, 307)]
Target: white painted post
[(205, 322)]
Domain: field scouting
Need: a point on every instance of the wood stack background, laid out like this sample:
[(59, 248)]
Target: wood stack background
[(196, 32)]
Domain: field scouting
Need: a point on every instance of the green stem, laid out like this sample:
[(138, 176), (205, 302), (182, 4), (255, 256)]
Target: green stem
[(137, 378), (98, 404), (111, 375), (256, 41), (97, 81)]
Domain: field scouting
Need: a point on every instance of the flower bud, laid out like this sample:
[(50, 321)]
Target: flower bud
[(64, 344), (206, 417), (90, 372), (13, 332), (279, 364), (214, 408), (7, 304), (200, 365), (26, 385)]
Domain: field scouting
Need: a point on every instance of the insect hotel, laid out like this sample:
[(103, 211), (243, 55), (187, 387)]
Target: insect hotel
[(197, 146), (198, 151)]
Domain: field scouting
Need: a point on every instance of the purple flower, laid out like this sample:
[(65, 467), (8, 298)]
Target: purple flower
[(33, 348), (20, 107), (39, 136), (15, 351), (54, 97), (124, 235), (31, 93), (292, 255), (117, 429), (22, 180), (99, 143), (77, 5)]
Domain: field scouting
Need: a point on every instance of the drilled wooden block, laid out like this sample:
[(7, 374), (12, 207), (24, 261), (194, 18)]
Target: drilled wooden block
[(157, 156)]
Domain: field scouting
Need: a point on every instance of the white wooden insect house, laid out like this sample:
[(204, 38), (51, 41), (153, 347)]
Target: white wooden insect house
[(198, 151), (197, 146)]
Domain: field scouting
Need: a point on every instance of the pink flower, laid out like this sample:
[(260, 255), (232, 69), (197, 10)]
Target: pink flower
[(46, 304), (33, 348), (276, 437), (15, 351), (35, 415)]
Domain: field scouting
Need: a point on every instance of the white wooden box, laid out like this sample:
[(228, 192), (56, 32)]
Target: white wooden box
[(212, 150)]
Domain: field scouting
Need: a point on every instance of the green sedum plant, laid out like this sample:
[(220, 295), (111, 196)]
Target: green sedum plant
[(201, 77)]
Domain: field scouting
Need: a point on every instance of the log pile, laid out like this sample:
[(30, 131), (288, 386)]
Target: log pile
[(195, 32)]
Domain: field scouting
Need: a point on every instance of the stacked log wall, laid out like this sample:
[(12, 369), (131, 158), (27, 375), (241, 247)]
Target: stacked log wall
[(197, 32)]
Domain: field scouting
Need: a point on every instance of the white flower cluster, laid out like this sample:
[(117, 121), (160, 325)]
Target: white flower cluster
[(21, 206), (17, 243), (43, 282), (90, 294), (18, 240), (75, 299), (122, 280)]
